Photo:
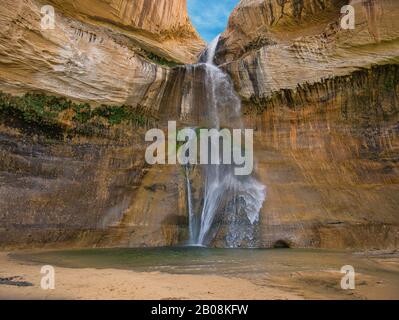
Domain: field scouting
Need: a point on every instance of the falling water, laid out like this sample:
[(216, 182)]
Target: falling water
[(210, 51), (191, 216), (228, 200)]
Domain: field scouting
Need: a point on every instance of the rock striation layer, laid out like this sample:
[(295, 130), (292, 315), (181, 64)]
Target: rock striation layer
[(161, 26), (75, 174), (104, 52), (306, 44), (328, 153), (323, 102)]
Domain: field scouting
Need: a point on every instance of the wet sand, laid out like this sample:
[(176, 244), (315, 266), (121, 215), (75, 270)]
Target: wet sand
[(72, 283), (92, 283)]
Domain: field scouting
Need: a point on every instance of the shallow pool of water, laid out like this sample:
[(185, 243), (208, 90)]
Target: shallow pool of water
[(198, 260)]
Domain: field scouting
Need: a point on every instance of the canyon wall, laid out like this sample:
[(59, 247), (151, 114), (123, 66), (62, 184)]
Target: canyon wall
[(305, 45), (160, 26), (324, 104), (75, 175), (114, 55), (328, 153), (70, 172)]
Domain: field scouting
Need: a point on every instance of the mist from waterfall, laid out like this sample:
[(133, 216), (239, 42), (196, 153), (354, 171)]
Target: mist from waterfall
[(228, 201)]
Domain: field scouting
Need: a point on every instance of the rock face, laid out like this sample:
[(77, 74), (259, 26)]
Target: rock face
[(256, 23), (306, 45), (328, 154), (326, 136), (79, 187), (85, 191), (323, 102), (161, 16), (162, 26), (116, 54)]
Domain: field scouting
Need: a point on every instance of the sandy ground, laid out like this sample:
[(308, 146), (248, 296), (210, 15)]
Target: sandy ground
[(73, 283), (123, 284)]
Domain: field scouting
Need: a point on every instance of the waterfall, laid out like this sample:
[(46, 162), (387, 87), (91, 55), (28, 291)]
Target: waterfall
[(228, 200), (191, 215), (211, 50)]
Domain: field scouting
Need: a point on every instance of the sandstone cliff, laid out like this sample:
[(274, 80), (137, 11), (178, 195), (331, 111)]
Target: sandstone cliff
[(256, 23), (328, 153), (323, 103), (269, 46), (103, 52), (74, 172), (162, 26)]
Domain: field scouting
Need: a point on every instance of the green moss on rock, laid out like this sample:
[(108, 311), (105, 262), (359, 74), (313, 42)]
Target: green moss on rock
[(160, 60), (53, 116)]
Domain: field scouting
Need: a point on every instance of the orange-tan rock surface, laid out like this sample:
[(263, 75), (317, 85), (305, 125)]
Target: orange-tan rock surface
[(102, 52), (323, 103), (160, 25), (265, 50)]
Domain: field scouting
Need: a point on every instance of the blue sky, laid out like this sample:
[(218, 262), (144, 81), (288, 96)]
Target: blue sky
[(210, 16)]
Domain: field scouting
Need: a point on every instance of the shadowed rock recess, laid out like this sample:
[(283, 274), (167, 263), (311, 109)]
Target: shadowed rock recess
[(76, 101)]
